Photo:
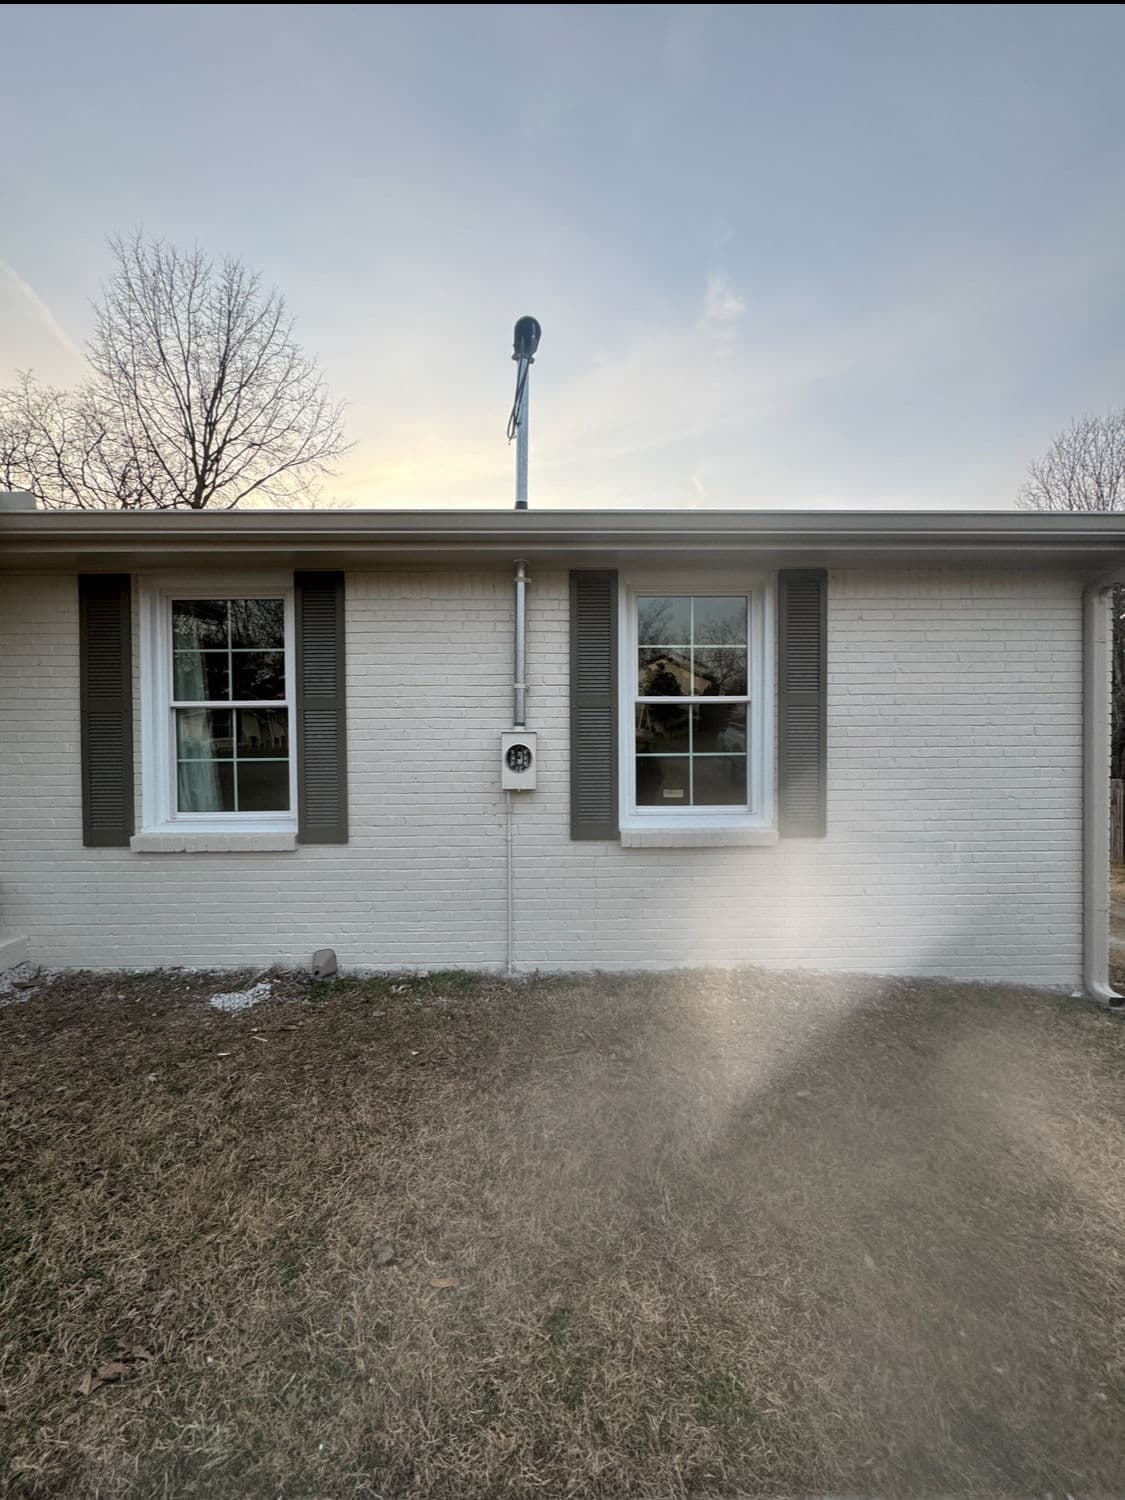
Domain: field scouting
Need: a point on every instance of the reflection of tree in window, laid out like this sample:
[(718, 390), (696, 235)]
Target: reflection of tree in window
[(661, 683), (655, 622), (257, 623), (721, 674)]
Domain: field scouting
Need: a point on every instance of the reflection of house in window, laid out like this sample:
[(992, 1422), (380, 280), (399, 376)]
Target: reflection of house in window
[(264, 733), (669, 675)]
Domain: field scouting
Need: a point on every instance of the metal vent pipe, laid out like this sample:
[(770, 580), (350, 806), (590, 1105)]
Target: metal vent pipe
[(519, 676)]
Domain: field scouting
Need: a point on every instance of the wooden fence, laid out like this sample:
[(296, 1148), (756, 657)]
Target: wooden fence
[(1117, 821)]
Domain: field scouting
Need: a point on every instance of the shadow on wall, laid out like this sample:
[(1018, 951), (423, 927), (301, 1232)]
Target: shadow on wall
[(813, 910)]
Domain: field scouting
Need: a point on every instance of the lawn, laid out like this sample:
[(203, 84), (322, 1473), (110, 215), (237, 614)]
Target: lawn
[(650, 1236)]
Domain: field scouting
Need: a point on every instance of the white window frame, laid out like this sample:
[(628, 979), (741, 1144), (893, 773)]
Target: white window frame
[(761, 734), (159, 814)]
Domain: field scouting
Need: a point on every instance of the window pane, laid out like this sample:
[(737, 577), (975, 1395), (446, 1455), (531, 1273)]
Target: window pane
[(201, 675), (263, 731), (258, 674), (720, 622), (203, 734), (664, 674), (662, 780), (719, 779), (263, 785), (199, 622), (720, 671), (257, 622), (206, 786), (719, 726), (663, 621), (661, 728)]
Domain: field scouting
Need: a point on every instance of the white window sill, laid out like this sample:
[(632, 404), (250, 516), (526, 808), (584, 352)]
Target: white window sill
[(698, 836), (213, 843)]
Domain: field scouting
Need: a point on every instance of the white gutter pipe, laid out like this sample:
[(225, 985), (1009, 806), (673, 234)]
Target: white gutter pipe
[(1097, 636)]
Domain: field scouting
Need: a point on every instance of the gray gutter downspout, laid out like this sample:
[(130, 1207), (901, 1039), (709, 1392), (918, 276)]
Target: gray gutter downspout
[(1096, 638)]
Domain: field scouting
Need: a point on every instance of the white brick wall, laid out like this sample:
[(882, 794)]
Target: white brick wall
[(954, 802)]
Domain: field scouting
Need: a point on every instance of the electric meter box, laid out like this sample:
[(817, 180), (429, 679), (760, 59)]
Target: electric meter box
[(517, 760)]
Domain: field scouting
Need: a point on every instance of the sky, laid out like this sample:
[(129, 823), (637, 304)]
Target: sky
[(791, 257)]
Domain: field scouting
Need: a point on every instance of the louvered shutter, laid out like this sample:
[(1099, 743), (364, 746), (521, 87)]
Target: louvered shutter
[(106, 708), (802, 701), (593, 704), (322, 761)]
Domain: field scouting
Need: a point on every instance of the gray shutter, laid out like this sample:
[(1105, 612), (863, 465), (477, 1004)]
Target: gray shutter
[(593, 704), (106, 685), (322, 759), (802, 742)]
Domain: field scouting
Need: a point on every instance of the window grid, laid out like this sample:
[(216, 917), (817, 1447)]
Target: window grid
[(229, 704), (233, 760), (692, 701)]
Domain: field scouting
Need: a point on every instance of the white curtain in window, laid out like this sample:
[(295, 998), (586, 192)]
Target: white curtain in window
[(199, 786)]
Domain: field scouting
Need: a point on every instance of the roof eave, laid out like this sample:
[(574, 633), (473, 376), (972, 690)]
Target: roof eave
[(63, 539)]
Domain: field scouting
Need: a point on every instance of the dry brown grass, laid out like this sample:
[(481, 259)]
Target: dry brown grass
[(698, 1233)]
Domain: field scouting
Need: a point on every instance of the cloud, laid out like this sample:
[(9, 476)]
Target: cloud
[(31, 299), (723, 308)]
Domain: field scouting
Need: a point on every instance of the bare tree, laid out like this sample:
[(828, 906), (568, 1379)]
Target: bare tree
[(199, 396), (67, 447), (1084, 470)]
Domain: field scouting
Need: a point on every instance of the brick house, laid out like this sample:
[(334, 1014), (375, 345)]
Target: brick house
[(859, 741)]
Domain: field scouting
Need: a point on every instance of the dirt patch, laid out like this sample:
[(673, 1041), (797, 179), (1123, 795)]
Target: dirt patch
[(18, 984), (648, 1236)]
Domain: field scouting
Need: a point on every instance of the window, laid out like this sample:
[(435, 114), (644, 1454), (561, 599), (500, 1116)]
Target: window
[(218, 705), (230, 705), (692, 700), (695, 717)]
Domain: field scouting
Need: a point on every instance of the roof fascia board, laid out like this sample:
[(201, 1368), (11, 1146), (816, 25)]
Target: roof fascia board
[(34, 538)]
